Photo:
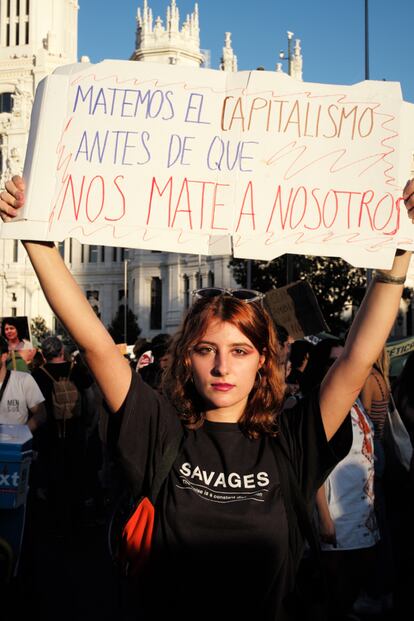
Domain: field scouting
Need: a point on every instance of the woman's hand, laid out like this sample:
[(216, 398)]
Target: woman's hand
[(408, 195), (12, 198)]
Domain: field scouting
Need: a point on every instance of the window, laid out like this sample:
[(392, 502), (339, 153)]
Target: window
[(93, 254), (121, 293), (102, 254), (82, 257), (70, 250), (15, 250), (198, 280), (6, 102), (186, 283), (210, 279), (13, 311), (61, 248), (114, 253), (156, 303)]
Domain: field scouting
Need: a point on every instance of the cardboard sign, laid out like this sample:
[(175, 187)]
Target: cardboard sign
[(182, 159), (21, 324), (296, 308)]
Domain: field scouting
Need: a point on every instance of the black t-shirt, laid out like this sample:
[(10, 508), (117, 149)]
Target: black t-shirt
[(221, 533)]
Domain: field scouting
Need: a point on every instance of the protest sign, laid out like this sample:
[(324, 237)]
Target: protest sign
[(162, 157), (401, 347), (296, 308)]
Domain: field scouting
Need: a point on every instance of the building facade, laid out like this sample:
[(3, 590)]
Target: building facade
[(37, 36)]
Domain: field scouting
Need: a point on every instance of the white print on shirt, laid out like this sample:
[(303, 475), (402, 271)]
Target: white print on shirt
[(219, 486)]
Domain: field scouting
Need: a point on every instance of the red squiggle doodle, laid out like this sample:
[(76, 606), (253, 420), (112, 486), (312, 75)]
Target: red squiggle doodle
[(63, 162), (334, 168)]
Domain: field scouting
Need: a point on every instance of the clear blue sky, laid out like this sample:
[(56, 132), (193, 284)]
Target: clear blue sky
[(332, 34)]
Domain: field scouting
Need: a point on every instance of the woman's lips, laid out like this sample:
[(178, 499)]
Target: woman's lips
[(223, 387)]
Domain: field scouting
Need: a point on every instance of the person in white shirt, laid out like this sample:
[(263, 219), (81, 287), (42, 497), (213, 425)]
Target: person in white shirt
[(22, 402)]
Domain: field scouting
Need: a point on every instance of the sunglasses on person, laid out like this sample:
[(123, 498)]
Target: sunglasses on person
[(246, 295)]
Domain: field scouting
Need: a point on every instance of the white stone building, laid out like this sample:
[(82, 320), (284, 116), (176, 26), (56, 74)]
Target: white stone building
[(36, 36)]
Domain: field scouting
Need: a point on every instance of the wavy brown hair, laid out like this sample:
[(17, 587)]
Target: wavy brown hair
[(266, 397)]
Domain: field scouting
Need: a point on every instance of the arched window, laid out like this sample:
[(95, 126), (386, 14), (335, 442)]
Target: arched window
[(156, 304)]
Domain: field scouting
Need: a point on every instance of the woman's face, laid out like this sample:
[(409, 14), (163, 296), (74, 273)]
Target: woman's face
[(10, 332), (224, 366)]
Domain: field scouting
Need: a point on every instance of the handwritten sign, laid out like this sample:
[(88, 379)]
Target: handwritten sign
[(201, 161), (295, 307)]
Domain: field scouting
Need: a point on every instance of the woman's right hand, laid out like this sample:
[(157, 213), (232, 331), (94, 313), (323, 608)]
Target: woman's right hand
[(12, 198)]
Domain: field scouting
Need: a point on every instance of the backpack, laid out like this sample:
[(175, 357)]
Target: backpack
[(66, 400)]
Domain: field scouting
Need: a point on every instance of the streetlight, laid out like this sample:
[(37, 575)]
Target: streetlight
[(282, 54), (125, 300), (366, 62)]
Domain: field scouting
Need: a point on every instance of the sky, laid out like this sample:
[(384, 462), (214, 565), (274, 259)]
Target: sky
[(332, 35)]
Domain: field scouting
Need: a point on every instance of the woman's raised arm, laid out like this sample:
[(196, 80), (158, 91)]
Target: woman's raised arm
[(367, 336), (109, 367)]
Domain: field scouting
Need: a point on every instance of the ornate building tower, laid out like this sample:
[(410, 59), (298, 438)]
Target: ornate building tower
[(168, 44), (228, 58)]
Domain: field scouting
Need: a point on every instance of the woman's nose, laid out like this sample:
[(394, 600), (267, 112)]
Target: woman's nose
[(221, 366)]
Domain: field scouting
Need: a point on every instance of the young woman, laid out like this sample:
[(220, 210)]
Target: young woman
[(221, 541)]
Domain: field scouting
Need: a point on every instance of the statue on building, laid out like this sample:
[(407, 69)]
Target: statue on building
[(228, 59)]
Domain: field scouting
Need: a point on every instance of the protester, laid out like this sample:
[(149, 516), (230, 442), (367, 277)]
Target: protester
[(222, 546), (375, 396), (321, 357), (63, 471), (141, 346), (300, 352), (22, 402), (403, 393), (347, 521), (152, 373)]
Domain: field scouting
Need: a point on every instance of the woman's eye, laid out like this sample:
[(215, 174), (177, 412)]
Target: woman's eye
[(204, 350), (240, 352)]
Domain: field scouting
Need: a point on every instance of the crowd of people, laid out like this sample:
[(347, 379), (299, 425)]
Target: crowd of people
[(264, 428), (361, 545)]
